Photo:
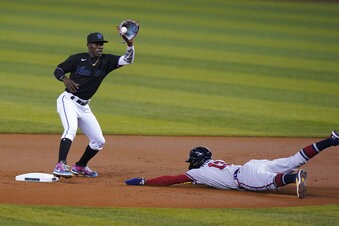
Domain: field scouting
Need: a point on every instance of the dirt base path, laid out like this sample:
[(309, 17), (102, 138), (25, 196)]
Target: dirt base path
[(125, 157)]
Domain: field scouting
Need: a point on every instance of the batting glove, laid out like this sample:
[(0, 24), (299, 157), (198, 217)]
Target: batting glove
[(135, 181)]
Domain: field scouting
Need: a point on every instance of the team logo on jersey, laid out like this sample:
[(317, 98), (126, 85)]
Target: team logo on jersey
[(84, 71), (83, 59)]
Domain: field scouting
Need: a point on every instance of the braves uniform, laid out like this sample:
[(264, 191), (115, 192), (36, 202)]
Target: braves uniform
[(87, 70), (215, 173), (255, 175)]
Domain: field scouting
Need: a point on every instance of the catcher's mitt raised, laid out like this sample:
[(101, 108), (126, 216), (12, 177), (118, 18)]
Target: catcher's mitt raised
[(129, 28)]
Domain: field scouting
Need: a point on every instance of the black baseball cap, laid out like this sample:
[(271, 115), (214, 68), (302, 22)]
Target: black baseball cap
[(95, 37)]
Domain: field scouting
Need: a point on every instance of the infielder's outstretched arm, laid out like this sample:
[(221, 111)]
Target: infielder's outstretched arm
[(128, 58), (160, 181)]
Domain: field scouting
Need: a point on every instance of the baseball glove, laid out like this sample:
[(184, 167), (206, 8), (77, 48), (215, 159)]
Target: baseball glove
[(129, 28)]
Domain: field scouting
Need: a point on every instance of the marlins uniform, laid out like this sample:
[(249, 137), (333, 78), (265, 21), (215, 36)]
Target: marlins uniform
[(86, 72), (255, 175)]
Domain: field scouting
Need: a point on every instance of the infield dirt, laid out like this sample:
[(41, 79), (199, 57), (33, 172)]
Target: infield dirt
[(124, 157)]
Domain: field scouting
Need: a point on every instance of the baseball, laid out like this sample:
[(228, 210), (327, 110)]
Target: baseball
[(123, 30)]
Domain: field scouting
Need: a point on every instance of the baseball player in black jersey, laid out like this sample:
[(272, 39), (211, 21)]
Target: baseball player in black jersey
[(87, 71)]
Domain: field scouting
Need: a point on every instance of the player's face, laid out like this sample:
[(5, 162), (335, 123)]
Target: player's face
[(95, 49)]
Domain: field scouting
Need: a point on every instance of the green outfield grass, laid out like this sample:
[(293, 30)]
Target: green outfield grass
[(38, 215), (229, 68), (217, 67)]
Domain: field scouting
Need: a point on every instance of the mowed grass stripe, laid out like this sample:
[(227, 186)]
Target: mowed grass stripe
[(245, 91), (62, 46), (228, 93), (152, 31), (37, 111), (222, 122), (299, 8), (24, 69), (187, 47), (44, 74), (29, 57), (255, 59), (156, 126), (232, 66), (271, 109), (28, 125), (144, 7), (179, 20), (232, 56), (147, 63), (184, 74), (69, 47), (123, 100), (230, 39), (44, 215), (45, 84), (189, 70), (161, 119)]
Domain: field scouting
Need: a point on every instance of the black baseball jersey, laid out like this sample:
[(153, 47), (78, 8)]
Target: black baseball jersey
[(86, 73)]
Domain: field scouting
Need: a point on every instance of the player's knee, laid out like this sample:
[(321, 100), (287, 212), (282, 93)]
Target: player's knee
[(97, 144), (70, 134)]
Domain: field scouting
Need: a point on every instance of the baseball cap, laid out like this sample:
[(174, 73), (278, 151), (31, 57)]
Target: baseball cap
[(95, 37)]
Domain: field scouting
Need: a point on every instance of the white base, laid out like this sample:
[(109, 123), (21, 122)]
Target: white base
[(36, 177)]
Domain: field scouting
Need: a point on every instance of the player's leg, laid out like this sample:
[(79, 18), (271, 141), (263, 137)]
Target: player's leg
[(91, 128), (299, 178), (289, 164), (252, 176), (68, 114), (308, 152), (259, 175)]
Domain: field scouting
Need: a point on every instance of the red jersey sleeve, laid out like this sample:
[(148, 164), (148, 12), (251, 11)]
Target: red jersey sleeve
[(168, 180)]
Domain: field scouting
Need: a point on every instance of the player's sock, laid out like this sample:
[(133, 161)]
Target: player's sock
[(289, 178), (88, 155), (282, 179), (310, 151), (324, 144), (65, 145)]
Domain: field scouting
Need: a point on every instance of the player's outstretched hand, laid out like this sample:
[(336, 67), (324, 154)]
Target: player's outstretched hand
[(135, 181)]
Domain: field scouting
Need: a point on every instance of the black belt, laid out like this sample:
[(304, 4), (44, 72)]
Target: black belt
[(235, 175), (82, 103)]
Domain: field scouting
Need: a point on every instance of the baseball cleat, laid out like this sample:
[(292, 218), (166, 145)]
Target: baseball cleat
[(334, 137), (61, 170), (83, 170), (301, 184)]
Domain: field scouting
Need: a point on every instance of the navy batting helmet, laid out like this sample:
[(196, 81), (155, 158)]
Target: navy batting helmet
[(198, 156)]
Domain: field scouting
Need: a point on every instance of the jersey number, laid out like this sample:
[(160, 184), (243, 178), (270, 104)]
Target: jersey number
[(218, 164)]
